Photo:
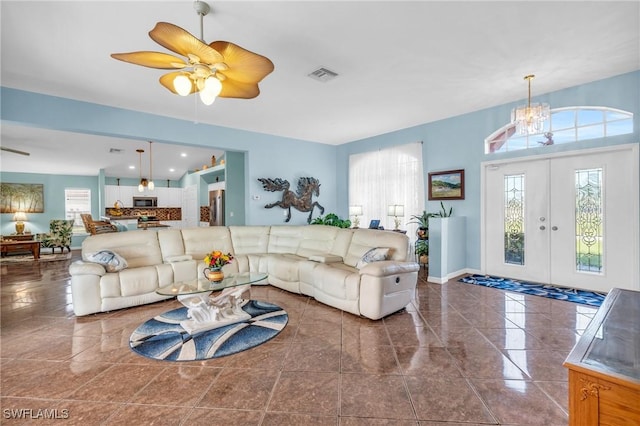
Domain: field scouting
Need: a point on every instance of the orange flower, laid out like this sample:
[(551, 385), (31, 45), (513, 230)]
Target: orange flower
[(217, 259)]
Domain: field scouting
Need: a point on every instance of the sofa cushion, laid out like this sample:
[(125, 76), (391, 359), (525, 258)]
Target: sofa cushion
[(337, 280), (284, 239), (374, 255), (249, 239), (198, 242), (110, 286), (284, 267), (317, 239), (171, 244), (111, 260), (138, 281), (139, 248)]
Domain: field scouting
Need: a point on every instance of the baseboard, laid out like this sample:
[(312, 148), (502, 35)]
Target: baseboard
[(444, 280)]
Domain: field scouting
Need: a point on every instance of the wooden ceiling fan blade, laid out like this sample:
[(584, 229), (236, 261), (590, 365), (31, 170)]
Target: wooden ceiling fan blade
[(167, 81), (243, 65), (15, 151), (151, 59), (239, 89), (180, 41)]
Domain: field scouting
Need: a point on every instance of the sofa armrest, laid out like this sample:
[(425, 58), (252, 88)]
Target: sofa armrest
[(80, 267), (385, 268)]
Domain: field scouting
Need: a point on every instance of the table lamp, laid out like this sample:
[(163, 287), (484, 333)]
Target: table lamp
[(355, 211), (19, 219), (396, 210)]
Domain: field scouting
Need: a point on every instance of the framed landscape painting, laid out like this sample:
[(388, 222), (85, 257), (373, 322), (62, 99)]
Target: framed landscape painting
[(21, 197), (447, 185)]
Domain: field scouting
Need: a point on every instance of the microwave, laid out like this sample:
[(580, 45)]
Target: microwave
[(145, 201)]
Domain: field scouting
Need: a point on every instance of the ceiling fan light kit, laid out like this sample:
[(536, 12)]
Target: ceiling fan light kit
[(218, 69)]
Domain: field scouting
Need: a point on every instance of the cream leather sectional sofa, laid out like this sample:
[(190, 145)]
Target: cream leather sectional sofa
[(320, 261)]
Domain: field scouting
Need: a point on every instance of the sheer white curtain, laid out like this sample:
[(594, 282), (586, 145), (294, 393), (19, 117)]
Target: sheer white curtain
[(391, 176)]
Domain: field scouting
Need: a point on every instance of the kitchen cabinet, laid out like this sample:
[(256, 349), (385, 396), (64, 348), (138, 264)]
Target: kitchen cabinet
[(163, 196), (175, 197), (111, 195), (167, 197), (604, 366)]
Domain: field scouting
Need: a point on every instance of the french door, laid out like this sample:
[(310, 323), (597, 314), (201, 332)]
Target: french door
[(570, 220)]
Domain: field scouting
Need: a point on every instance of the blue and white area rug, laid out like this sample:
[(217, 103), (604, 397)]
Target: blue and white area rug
[(583, 297), (164, 338)]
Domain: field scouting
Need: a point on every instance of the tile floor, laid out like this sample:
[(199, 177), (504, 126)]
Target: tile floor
[(460, 354)]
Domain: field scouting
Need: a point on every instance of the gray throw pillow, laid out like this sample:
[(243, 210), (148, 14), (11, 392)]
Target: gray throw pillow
[(374, 255), (111, 260)]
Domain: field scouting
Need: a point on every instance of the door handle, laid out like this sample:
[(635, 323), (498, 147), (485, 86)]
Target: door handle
[(554, 228), (542, 227)]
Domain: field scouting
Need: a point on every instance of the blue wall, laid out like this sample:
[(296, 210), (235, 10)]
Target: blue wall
[(458, 143), (454, 143), (53, 186), (267, 156)]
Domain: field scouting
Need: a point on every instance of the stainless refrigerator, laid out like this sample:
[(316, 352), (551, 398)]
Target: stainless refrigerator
[(216, 207)]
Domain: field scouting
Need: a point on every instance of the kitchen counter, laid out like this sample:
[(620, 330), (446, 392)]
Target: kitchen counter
[(146, 225)]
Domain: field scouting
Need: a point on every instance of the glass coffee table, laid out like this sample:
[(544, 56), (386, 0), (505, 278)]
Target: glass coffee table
[(207, 313)]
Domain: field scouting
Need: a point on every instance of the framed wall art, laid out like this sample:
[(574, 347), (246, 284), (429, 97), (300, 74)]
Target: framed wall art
[(21, 197), (447, 185)]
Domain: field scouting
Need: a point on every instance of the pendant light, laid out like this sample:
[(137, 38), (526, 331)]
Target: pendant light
[(150, 185), (143, 181)]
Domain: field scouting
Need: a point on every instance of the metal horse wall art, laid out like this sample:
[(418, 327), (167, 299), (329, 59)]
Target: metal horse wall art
[(300, 200)]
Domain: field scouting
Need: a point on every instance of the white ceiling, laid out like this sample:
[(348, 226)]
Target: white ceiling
[(400, 64)]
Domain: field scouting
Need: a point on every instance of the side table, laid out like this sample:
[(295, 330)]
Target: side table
[(18, 246), (20, 237)]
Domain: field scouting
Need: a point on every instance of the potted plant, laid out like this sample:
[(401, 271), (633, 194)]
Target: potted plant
[(443, 211), (422, 221), (331, 219), (422, 251)]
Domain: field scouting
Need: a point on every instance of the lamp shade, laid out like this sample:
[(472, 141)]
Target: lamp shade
[(19, 217), (355, 210), (395, 210)]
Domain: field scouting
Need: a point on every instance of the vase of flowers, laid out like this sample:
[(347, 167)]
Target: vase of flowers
[(214, 262)]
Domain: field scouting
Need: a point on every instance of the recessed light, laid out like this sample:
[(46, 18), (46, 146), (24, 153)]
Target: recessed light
[(132, 167), (172, 170), (184, 154)]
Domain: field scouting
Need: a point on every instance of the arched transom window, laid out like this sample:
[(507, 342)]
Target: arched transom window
[(566, 125)]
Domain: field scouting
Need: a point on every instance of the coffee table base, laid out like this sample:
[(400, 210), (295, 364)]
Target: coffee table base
[(206, 313)]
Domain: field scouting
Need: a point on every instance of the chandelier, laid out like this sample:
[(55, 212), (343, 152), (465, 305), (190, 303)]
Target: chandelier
[(529, 119)]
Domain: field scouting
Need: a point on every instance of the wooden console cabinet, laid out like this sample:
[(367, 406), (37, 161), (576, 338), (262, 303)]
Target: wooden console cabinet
[(604, 366)]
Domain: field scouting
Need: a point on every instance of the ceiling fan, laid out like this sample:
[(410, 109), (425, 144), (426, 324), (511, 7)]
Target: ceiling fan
[(220, 68)]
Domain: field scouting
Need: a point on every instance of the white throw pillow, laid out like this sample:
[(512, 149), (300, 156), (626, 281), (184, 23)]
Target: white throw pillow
[(111, 260), (373, 255)]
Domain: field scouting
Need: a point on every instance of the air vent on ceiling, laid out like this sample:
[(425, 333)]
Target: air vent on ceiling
[(116, 151), (323, 75)]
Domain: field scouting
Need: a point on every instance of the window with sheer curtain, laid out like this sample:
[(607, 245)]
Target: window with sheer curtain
[(391, 176)]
